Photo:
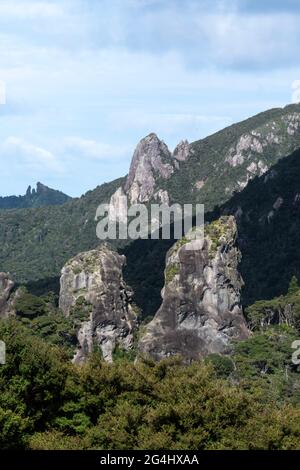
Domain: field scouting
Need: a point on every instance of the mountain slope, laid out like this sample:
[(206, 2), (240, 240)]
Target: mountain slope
[(37, 242), (268, 217), (267, 212), (39, 197), (224, 162)]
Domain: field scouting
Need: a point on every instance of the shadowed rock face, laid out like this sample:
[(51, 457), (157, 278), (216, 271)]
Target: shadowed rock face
[(6, 287), (95, 277), (200, 313)]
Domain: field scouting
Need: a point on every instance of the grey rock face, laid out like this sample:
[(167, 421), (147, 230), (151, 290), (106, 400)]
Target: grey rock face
[(6, 287), (200, 313), (151, 159), (94, 278), (182, 151)]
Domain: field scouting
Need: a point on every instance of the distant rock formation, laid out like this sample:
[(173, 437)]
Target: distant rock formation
[(93, 289), (39, 197), (6, 287), (200, 313)]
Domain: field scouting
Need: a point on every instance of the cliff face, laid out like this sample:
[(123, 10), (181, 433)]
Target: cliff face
[(93, 289), (6, 287), (151, 160), (200, 313)]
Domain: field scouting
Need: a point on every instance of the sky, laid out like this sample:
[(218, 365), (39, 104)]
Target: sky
[(82, 81)]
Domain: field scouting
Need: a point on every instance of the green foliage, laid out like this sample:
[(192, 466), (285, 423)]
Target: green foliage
[(171, 271), (120, 354), (267, 352), (28, 305), (223, 365), (55, 329), (293, 286), (42, 318), (31, 384), (215, 230), (81, 311), (37, 242), (280, 310), (248, 401)]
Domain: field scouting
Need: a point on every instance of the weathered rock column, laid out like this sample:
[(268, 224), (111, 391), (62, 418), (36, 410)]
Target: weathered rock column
[(91, 283), (200, 313)]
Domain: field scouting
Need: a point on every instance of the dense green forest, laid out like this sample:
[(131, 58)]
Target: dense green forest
[(247, 400)]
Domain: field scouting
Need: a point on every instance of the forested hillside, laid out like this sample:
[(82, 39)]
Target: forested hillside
[(39, 197)]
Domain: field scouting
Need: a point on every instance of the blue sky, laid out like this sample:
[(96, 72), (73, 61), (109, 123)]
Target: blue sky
[(85, 80)]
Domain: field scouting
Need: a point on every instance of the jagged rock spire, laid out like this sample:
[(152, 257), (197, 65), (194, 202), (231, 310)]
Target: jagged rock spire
[(151, 159)]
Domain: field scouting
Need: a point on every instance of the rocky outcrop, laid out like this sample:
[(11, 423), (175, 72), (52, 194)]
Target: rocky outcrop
[(92, 289), (200, 313), (6, 288), (251, 149), (182, 151), (152, 159)]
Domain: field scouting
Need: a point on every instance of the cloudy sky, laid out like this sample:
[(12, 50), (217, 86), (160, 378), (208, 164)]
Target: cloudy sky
[(85, 80)]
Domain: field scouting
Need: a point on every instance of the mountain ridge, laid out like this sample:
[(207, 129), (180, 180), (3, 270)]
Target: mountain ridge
[(33, 198), (37, 242)]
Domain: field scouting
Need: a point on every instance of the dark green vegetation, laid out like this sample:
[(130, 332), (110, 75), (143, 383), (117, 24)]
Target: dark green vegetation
[(144, 272), (36, 243), (283, 310), (207, 164), (268, 221), (248, 401), (42, 196), (41, 316)]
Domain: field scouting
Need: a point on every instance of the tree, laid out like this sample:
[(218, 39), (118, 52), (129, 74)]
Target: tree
[(294, 286)]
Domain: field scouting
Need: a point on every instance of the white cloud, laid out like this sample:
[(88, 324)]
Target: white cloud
[(29, 10), (93, 149), (129, 67), (174, 126), (30, 155)]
